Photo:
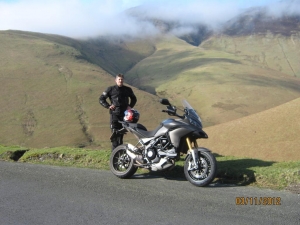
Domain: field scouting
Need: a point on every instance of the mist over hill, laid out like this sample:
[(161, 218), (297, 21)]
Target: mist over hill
[(260, 21), (194, 25)]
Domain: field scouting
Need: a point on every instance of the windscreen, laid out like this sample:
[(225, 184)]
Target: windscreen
[(191, 112)]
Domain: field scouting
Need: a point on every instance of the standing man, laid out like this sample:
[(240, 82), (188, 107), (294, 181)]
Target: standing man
[(119, 96)]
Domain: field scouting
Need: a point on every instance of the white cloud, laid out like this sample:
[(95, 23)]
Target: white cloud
[(290, 7), (81, 18)]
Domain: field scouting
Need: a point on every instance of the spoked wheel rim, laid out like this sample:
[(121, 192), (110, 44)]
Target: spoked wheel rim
[(203, 171), (121, 161)]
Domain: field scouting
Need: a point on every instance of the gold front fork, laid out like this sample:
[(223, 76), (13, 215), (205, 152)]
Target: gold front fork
[(194, 152), (189, 143)]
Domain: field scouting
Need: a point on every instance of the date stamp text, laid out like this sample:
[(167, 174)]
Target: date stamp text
[(258, 200)]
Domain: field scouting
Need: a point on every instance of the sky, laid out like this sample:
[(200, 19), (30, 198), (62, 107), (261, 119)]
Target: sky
[(89, 18)]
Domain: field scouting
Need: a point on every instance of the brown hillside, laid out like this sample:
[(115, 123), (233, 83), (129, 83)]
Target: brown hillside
[(49, 95), (272, 135), (220, 83)]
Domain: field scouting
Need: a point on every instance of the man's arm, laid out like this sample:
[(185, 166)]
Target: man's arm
[(103, 97)]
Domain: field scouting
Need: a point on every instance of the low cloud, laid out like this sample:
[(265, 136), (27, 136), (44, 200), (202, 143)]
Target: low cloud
[(278, 9), (75, 18)]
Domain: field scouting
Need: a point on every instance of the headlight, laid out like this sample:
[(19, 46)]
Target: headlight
[(196, 124)]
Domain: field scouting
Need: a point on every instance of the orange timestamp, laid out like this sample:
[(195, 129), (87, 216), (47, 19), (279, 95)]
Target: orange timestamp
[(258, 200)]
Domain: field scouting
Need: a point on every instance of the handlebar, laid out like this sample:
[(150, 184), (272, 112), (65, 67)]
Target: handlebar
[(169, 111), (172, 113)]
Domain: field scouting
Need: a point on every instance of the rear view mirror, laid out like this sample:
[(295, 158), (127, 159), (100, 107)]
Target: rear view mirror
[(164, 101)]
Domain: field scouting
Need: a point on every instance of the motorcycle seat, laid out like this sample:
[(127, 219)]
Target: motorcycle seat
[(143, 130)]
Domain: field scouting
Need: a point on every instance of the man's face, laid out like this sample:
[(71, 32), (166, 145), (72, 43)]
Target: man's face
[(119, 81)]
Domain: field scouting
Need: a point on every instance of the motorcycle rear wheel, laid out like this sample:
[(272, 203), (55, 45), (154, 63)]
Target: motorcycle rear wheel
[(206, 172), (121, 165)]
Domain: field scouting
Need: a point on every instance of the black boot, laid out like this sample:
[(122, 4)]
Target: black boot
[(116, 140)]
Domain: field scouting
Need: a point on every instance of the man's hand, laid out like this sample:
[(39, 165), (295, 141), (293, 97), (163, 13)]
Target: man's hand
[(128, 107), (112, 107)]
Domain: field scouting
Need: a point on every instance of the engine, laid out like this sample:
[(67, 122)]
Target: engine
[(159, 153), (151, 154)]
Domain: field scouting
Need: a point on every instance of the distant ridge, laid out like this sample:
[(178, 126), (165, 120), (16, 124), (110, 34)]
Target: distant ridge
[(257, 20)]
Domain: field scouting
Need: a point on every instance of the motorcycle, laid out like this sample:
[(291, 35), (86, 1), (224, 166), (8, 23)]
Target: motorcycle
[(158, 149)]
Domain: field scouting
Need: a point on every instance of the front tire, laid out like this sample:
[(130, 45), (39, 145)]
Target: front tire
[(207, 168), (121, 164)]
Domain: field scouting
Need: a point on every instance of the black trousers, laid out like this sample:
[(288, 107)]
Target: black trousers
[(114, 126)]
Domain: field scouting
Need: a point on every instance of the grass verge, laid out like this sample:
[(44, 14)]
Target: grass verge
[(231, 170)]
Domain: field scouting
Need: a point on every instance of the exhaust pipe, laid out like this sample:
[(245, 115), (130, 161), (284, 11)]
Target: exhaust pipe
[(162, 165), (130, 151)]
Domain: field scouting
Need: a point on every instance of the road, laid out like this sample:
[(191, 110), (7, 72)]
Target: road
[(39, 194)]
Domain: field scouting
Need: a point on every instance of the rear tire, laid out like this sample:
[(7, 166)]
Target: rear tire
[(121, 164), (206, 172)]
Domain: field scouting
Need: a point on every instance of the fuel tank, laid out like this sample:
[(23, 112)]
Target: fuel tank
[(168, 123), (177, 129)]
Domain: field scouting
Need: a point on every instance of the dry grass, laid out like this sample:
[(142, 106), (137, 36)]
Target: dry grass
[(272, 135)]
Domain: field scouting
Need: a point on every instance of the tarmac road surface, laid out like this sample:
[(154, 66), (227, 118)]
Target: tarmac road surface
[(38, 194)]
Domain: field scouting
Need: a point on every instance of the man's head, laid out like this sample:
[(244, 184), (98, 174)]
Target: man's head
[(120, 79)]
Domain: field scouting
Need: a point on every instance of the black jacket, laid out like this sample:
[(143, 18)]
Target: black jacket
[(119, 97)]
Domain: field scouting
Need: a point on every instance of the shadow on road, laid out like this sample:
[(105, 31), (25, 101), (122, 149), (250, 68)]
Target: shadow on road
[(235, 172), (175, 174)]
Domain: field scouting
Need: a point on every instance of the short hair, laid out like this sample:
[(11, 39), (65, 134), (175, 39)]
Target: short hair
[(120, 75)]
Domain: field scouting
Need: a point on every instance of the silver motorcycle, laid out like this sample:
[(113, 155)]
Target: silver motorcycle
[(159, 149)]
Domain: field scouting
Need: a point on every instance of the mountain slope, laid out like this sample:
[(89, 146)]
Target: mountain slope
[(269, 51), (271, 135), (112, 54), (50, 94), (221, 84)]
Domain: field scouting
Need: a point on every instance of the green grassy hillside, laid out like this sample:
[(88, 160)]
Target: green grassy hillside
[(269, 51), (222, 85), (50, 94), (112, 54)]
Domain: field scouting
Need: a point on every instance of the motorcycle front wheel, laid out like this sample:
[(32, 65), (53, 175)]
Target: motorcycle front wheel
[(207, 168), (121, 164)]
